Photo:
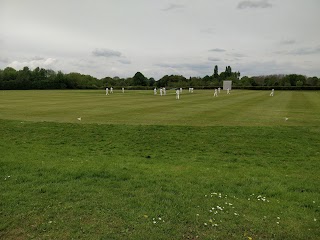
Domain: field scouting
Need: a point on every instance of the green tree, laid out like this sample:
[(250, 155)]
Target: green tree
[(312, 81), (9, 74), (151, 82), (215, 72), (139, 79)]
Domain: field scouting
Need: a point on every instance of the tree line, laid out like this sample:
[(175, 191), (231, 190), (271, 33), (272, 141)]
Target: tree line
[(40, 78)]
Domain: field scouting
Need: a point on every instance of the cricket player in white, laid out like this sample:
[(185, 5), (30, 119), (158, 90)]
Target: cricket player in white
[(215, 93), (177, 94), (272, 92)]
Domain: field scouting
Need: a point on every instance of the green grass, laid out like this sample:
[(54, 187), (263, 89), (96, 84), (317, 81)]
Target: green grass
[(135, 158), (241, 108)]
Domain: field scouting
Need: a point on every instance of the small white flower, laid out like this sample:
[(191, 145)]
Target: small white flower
[(159, 218), (315, 219), (278, 217), (277, 222), (154, 222), (197, 214), (205, 224)]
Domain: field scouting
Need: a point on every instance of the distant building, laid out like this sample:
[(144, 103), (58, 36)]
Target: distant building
[(227, 84)]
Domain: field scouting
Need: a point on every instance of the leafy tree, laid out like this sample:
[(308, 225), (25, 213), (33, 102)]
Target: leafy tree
[(9, 73), (139, 79), (228, 71), (215, 72), (207, 80), (223, 76), (299, 83), (312, 81), (151, 82)]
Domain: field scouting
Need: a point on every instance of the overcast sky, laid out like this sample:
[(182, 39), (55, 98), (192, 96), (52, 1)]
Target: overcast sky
[(185, 37)]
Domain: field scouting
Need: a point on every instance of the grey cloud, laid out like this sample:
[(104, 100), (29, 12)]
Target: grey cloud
[(173, 7), (4, 60), (212, 59), (102, 52), (288, 42), (191, 66), (301, 51), (82, 63), (305, 51), (124, 61), (217, 50), (36, 58), (258, 68), (209, 30), (254, 4), (237, 55)]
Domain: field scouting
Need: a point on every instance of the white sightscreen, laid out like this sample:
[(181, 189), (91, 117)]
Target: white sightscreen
[(227, 84)]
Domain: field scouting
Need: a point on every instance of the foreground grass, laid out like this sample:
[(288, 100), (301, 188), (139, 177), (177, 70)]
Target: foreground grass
[(101, 181), (142, 166)]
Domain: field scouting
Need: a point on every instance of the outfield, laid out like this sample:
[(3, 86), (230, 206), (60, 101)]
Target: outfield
[(143, 166)]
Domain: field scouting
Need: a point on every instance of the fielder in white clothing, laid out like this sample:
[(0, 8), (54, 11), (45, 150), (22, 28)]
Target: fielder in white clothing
[(111, 90), (177, 94), (107, 91), (272, 92), (215, 93), (228, 91), (155, 91)]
